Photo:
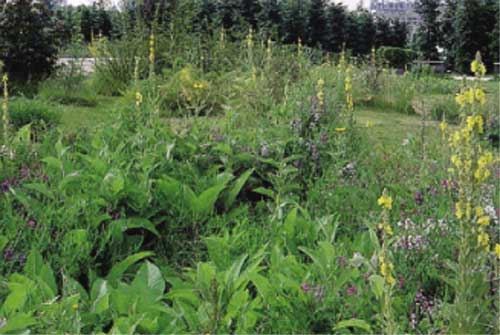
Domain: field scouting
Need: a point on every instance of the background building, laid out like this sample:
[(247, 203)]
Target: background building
[(397, 9)]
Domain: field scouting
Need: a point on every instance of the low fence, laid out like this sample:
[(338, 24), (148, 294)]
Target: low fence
[(435, 65)]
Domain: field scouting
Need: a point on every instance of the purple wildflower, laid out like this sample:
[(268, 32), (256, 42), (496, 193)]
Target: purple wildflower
[(419, 198), (351, 290), (25, 171), (21, 259), (8, 254), (5, 185), (31, 224), (305, 287)]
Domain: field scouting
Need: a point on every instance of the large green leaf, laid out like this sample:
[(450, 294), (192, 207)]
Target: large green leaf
[(3, 242), (34, 264), (354, 323), (235, 190), (119, 269), (20, 288), (113, 183), (17, 323), (122, 225), (149, 281), (377, 285), (100, 296), (205, 202)]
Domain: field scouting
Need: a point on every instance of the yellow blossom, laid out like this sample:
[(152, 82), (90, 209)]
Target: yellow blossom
[(468, 211), (469, 96), (390, 280), (460, 100), (477, 67), (138, 99), (340, 130), (443, 126), (497, 250), (459, 211), (200, 86), (482, 174), (388, 230), (485, 160), (483, 221), (74, 306), (385, 201), (369, 124), (483, 240), (479, 211), (480, 96)]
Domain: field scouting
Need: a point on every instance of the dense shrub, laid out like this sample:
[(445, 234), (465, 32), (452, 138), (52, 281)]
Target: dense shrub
[(396, 57), (72, 91), (23, 111)]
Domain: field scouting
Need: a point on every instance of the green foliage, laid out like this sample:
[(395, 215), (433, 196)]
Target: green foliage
[(231, 192), (27, 39), (396, 57), (41, 116)]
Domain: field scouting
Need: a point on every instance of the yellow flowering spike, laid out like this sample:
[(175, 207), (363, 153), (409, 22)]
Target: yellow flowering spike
[(340, 130), (443, 126), (483, 240), (477, 67), (320, 94), (460, 100), (369, 124), (385, 201), (483, 221), (497, 250), (480, 96), (390, 280), (485, 160), (388, 230), (469, 96), (459, 211), (479, 211), (138, 99)]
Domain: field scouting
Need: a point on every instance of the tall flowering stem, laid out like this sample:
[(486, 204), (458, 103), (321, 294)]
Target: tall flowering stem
[(5, 107), (386, 267), (470, 168), (151, 55)]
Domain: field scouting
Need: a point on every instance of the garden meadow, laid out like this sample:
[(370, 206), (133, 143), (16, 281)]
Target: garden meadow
[(235, 184)]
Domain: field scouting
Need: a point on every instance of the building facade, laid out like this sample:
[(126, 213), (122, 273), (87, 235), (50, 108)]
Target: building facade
[(398, 9)]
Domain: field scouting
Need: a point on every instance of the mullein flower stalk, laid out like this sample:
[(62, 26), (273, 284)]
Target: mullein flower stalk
[(151, 55), (349, 100), (299, 52), (269, 53), (250, 44), (5, 107), (386, 267), (138, 95), (471, 165)]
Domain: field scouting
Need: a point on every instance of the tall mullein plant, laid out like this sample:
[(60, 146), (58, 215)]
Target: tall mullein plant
[(5, 108), (471, 165), (386, 267)]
